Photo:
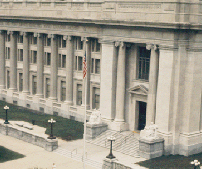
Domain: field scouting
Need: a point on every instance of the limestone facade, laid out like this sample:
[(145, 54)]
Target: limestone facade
[(143, 59)]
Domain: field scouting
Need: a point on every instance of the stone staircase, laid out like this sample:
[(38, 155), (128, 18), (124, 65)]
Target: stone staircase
[(126, 142), (78, 157)]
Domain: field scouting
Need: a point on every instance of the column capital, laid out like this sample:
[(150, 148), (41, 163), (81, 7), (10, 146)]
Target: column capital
[(152, 46), (67, 37), (10, 32), (84, 39), (23, 33), (120, 44), (52, 36)]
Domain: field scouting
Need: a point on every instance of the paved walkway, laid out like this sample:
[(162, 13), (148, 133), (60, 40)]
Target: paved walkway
[(39, 157)]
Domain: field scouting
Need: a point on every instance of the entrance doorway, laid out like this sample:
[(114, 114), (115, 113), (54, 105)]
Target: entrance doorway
[(142, 115)]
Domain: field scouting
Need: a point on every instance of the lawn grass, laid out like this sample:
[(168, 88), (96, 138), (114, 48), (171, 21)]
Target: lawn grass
[(171, 162), (64, 128), (7, 155)]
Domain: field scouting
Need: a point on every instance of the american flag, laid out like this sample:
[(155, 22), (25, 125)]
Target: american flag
[(84, 66)]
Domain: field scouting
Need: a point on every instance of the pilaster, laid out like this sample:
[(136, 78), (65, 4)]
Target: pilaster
[(2, 59), (69, 69), (54, 54), (25, 62), (13, 61), (40, 64)]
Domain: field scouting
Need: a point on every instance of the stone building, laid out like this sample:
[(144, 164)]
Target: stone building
[(143, 59)]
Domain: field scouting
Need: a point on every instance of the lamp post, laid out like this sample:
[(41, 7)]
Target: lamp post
[(111, 156), (6, 108), (196, 164), (51, 121)]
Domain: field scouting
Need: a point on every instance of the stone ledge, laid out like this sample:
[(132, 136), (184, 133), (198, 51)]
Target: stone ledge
[(41, 141)]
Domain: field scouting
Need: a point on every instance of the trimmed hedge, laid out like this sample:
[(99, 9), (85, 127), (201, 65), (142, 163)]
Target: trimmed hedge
[(64, 128)]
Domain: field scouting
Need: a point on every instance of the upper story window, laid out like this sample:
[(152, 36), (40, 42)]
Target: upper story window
[(143, 63), (61, 42), (78, 63), (95, 65), (95, 46), (62, 61), (79, 43), (20, 54), (33, 56), (47, 41), (20, 39), (33, 40), (8, 37), (47, 58), (7, 53)]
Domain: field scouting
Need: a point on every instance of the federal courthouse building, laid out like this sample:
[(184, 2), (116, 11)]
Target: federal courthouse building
[(144, 63)]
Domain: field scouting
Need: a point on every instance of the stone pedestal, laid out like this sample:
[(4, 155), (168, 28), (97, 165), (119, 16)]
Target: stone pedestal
[(51, 144), (151, 148), (108, 163), (93, 130)]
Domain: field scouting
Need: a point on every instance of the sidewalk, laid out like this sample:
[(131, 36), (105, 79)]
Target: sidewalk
[(39, 157)]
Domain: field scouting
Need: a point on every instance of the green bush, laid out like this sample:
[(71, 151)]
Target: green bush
[(64, 128)]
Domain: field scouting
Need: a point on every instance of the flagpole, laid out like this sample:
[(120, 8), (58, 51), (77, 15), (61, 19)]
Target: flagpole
[(84, 135)]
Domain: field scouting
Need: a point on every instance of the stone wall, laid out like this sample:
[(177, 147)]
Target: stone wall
[(40, 141)]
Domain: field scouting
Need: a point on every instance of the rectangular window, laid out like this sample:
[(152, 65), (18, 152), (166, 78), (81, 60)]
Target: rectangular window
[(61, 42), (96, 98), (63, 90), (7, 53), (144, 61), (62, 61), (20, 82), (34, 85), (79, 94), (95, 46), (33, 40), (78, 63), (34, 57), (20, 38), (79, 43), (97, 66), (92, 65), (47, 58), (20, 54), (8, 79), (47, 88), (47, 41)]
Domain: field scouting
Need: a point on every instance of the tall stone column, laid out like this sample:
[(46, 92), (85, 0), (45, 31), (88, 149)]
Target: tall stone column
[(25, 62), (2, 59), (54, 54), (69, 69), (153, 79), (13, 62), (87, 52), (108, 76), (120, 90), (40, 64)]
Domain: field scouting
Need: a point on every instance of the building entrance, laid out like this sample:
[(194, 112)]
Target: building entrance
[(142, 115)]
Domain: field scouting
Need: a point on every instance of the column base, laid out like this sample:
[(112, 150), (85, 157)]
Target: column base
[(39, 95), (54, 99), (68, 102), (119, 126), (26, 92)]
